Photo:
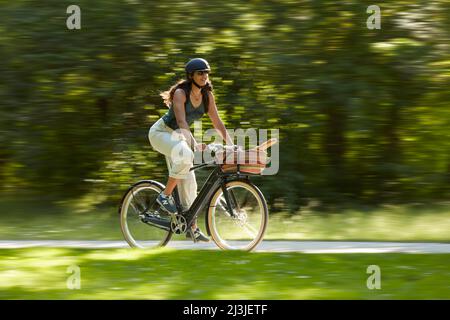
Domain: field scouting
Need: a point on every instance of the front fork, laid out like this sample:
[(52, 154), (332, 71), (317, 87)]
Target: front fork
[(230, 199)]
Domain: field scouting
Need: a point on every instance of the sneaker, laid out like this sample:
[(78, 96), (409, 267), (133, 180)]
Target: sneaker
[(167, 203), (198, 236)]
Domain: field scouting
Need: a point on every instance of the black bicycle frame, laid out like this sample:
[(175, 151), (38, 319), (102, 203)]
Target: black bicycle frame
[(215, 180)]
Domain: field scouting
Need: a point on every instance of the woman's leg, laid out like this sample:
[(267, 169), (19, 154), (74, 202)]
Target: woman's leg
[(179, 160), (187, 189), (178, 155), (171, 184)]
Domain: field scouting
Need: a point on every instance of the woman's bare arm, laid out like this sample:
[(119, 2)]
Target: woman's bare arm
[(217, 121)]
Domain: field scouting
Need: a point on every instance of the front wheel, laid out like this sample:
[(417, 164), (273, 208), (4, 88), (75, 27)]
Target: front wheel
[(140, 220), (244, 227)]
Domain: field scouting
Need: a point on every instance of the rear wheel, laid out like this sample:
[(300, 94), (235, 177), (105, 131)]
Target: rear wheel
[(141, 222), (244, 228)]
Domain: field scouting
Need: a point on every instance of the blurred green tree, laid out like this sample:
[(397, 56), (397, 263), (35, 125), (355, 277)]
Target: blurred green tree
[(363, 114)]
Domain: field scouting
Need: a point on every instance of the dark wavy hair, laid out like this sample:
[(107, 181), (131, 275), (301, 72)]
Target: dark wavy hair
[(186, 85)]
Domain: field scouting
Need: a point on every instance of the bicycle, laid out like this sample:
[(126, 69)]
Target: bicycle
[(236, 216)]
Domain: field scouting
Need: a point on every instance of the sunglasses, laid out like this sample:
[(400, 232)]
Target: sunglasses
[(200, 73)]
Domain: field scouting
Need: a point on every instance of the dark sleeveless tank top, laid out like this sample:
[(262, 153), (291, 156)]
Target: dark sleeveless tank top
[(192, 114)]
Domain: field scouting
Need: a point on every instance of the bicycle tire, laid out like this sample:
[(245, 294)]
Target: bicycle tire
[(152, 232), (218, 236)]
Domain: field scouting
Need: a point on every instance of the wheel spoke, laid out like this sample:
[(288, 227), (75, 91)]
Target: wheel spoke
[(248, 228), (246, 199), (136, 211), (147, 203), (136, 202)]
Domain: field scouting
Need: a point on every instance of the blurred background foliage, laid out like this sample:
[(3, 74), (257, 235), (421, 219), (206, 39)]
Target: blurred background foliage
[(364, 115)]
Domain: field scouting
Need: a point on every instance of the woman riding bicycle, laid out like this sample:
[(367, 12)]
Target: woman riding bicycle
[(188, 100)]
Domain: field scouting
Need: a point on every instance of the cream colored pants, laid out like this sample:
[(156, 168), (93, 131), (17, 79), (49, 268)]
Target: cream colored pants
[(179, 159)]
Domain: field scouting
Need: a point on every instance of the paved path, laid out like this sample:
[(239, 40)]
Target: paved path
[(265, 246)]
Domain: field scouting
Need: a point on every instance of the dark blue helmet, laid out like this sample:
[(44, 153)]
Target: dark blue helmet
[(197, 64)]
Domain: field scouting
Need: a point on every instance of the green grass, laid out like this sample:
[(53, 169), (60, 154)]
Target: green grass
[(79, 221), (388, 223), (41, 273)]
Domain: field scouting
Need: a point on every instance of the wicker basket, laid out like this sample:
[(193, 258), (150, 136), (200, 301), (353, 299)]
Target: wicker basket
[(250, 161)]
